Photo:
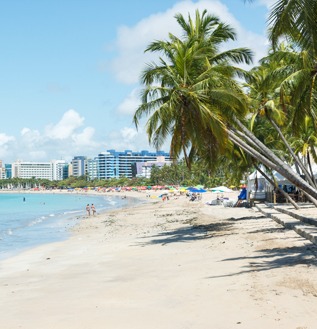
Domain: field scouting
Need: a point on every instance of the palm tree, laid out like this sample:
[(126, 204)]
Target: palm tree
[(192, 92), (296, 20), (192, 96)]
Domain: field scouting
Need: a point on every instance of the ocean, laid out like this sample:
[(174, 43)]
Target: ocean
[(30, 219)]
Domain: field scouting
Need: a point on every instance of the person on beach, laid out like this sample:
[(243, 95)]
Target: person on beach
[(93, 209), (241, 197), (88, 209)]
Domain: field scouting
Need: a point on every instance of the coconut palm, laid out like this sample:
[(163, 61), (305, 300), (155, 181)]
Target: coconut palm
[(192, 96), (192, 92), (295, 20)]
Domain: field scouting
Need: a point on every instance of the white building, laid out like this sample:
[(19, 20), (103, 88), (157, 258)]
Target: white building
[(52, 170), (143, 169), (58, 169)]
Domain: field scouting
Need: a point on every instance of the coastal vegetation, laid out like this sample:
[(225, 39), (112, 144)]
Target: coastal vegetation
[(217, 113)]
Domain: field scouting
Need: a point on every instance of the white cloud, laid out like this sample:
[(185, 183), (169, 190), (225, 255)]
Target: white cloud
[(5, 139), (128, 134), (6, 144), (131, 103), (64, 129), (67, 138), (37, 155), (132, 41), (29, 137), (85, 138), (127, 138)]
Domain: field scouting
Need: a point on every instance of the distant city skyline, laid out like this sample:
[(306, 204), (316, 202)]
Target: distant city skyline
[(70, 69), (106, 165)]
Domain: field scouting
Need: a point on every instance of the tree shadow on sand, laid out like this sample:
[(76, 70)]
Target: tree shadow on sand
[(190, 233), (233, 219), (268, 259)]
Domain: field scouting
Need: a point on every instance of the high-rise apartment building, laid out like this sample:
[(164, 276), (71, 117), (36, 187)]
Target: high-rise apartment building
[(92, 168), (113, 164), (79, 166)]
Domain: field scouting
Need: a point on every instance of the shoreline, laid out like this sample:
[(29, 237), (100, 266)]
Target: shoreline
[(70, 219), (174, 264)]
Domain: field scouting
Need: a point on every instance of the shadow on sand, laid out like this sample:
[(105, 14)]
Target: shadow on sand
[(190, 233), (268, 259)]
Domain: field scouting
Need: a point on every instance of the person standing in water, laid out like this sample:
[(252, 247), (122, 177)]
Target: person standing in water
[(88, 209), (93, 209)]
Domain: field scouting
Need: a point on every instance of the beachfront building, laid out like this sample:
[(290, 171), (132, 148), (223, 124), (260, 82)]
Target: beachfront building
[(79, 166), (8, 170), (2, 173), (92, 168), (113, 164), (143, 169), (59, 168), (52, 170)]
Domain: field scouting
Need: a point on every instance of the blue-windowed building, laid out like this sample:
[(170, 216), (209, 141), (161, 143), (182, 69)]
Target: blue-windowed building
[(8, 170), (115, 164)]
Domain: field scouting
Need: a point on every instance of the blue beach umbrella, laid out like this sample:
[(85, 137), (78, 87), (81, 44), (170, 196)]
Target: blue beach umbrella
[(196, 190)]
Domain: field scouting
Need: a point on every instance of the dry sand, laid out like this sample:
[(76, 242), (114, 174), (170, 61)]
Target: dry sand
[(171, 265)]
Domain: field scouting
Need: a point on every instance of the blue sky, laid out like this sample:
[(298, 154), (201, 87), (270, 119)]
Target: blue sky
[(70, 69)]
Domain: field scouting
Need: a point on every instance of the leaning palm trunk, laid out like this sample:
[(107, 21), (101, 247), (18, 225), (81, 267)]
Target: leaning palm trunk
[(275, 185), (282, 168), (294, 156), (310, 168), (260, 146)]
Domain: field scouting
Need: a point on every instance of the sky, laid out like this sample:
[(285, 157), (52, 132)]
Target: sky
[(69, 69)]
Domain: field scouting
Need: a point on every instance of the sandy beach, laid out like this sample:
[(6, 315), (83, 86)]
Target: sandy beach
[(174, 264)]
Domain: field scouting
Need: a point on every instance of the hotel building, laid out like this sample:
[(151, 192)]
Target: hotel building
[(53, 170), (113, 164)]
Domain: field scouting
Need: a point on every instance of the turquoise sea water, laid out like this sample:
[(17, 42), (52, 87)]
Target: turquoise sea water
[(28, 220)]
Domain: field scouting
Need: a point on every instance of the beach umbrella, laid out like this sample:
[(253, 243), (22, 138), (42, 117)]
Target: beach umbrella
[(196, 190), (221, 189)]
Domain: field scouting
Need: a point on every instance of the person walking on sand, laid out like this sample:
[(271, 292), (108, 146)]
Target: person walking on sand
[(93, 209), (88, 209)]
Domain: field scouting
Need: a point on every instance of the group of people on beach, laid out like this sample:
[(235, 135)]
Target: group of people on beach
[(91, 209)]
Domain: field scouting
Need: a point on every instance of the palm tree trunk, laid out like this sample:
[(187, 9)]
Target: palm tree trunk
[(275, 185), (284, 170), (310, 168), (261, 147), (294, 156)]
